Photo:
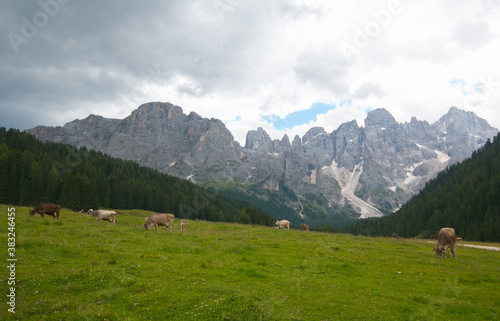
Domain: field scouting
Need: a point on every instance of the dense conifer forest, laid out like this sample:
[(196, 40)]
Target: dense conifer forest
[(465, 196), (32, 171)]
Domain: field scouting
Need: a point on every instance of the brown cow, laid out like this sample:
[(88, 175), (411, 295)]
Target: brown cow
[(446, 239), (183, 224), (162, 219), (46, 208), (304, 227)]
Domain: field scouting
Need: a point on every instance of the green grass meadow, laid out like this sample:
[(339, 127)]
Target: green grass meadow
[(74, 269)]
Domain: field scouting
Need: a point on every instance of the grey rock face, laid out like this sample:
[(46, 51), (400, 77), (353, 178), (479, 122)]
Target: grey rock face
[(160, 136), (378, 166), (259, 140), (348, 144)]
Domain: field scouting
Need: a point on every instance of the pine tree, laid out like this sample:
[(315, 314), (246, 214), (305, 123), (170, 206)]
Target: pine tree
[(52, 191)]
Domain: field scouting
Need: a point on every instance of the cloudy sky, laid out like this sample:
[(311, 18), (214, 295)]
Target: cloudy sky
[(284, 65)]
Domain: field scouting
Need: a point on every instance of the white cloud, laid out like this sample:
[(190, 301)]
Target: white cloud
[(253, 59), (472, 34)]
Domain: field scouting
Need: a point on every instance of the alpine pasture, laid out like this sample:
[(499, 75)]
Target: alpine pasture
[(75, 269)]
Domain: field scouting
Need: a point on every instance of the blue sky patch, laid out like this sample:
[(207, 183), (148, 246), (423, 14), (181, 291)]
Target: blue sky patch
[(479, 87), (455, 81), (299, 117), (460, 83)]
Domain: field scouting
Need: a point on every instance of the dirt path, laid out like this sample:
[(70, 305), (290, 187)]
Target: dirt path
[(491, 248), (482, 247)]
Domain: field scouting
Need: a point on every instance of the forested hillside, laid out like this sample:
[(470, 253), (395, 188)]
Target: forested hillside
[(465, 196), (32, 172)]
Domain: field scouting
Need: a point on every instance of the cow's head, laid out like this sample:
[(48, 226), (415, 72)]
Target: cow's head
[(145, 226), (32, 212), (439, 250)]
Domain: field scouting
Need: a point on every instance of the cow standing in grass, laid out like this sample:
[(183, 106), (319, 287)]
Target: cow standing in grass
[(283, 224), (446, 240), (105, 216), (46, 208), (161, 219)]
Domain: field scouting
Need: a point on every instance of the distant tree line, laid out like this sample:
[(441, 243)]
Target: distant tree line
[(32, 171), (465, 196)]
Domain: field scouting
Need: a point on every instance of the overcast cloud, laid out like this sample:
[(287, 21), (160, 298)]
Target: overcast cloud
[(248, 63)]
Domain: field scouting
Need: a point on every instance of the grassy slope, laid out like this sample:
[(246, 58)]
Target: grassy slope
[(75, 269)]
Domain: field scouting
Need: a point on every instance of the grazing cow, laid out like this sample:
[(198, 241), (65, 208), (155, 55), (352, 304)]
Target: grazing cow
[(446, 239), (105, 216), (283, 224), (304, 227), (46, 208), (183, 224), (162, 219)]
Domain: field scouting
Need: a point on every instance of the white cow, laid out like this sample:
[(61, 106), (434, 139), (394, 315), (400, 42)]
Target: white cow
[(283, 224), (105, 216)]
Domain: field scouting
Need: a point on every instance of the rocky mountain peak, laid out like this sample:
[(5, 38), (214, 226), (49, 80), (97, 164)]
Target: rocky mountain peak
[(379, 118), (464, 119), (463, 132), (280, 146), (259, 140), (194, 116), (313, 132), (92, 118), (285, 140), (296, 141)]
